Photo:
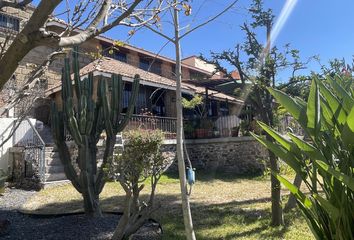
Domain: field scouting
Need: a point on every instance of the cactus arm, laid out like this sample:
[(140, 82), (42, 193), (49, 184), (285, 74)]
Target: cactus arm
[(76, 68), (100, 181), (64, 154), (132, 101), (83, 114), (115, 97), (90, 117), (106, 108), (72, 122), (67, 79)]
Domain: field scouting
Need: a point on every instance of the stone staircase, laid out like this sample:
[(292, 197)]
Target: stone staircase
[(54, 169)]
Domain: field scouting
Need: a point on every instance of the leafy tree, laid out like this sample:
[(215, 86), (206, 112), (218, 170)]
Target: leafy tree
[(258, 67), (326, 161), (140, 160)]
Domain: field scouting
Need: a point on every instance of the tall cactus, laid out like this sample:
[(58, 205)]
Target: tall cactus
[(85, 120)]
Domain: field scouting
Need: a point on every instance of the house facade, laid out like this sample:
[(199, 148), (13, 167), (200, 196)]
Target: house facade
[(103, 57)]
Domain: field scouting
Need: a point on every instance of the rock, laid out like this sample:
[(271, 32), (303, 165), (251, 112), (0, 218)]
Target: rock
[(150, 231)]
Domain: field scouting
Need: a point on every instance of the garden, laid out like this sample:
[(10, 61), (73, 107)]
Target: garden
[(223, 206), (120, 182)]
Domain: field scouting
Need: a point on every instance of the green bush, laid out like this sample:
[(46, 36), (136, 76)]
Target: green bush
[(327, 171), (140, 159), (3, 178)]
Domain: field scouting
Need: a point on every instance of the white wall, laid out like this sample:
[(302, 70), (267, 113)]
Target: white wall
[(5, 129)]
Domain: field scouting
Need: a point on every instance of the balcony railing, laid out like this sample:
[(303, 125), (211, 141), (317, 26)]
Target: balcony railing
[(212, 127), (166, 124)]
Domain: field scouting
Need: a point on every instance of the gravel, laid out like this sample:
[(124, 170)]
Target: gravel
[(63, 227)]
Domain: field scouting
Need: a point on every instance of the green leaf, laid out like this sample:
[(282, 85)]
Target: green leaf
[(347, 100), (348, 130), (311, 152), (333, 102), (327, 206), (281, 152), (313, 110), (291, 105), (347, 180), (295, 191), (277, 137)]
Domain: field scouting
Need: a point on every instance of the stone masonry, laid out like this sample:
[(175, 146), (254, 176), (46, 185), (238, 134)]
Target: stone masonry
[(241, 155)]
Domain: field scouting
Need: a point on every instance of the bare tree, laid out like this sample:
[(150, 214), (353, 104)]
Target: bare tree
[(176, 40), (85, 20)]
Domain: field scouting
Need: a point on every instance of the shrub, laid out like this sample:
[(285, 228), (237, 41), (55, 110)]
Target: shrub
[(328, 119), (140, 160), (3, 178)]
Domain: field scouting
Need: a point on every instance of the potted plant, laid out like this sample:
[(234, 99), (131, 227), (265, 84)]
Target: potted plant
[(235, 131), (189, 131), (216, 132)]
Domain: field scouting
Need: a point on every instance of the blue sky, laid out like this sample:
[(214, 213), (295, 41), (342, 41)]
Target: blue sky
[(323, 27)]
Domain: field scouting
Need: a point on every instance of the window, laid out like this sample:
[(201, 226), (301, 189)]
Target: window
[(144, 64), (120, 56), (224, 109), (156, 68), (194, 75), (114, 53), (9, 22)]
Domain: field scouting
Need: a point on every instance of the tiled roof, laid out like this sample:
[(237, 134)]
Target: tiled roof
[(112, 66)]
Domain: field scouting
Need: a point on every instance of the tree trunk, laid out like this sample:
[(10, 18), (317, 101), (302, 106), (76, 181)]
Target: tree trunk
[(119, 232), (292, 199), (277, 213), (26, 40), (187, 215)]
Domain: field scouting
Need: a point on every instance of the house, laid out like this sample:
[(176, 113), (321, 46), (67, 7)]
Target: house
[(103, 57), (157, 72)]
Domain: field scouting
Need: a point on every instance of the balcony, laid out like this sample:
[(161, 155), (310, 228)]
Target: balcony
[(210, 127), (202, 128)]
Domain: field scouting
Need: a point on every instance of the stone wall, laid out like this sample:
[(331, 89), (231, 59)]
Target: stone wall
[(239, 155)]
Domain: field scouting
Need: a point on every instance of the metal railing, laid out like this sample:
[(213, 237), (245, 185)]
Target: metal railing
[(166, 124), (212, 127), (27, 136)]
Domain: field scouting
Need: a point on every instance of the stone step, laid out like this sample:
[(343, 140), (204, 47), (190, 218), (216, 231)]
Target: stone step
[(55, 177), (54, 169), (52, 161), (51, 154)]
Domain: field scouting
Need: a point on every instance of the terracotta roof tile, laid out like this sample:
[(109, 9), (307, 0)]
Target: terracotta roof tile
[(112, 66)]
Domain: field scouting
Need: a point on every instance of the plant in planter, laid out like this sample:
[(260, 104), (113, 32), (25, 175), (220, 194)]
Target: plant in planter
[(189, 130), (235, 131), (205, 128), (216, 132), (141, 162)]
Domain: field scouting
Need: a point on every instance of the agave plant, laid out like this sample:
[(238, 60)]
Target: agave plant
[(326, 161)]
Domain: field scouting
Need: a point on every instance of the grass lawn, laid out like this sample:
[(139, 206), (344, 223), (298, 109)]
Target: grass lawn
[(223, 207)]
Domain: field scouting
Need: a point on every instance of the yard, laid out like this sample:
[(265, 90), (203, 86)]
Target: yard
[(223, 207)]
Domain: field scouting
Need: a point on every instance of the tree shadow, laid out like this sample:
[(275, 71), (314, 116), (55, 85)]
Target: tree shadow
[(207, 176)]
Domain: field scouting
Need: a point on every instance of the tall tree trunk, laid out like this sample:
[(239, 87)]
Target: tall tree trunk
[(277, 212), (277, 209), (187, 215), (292, 199)]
